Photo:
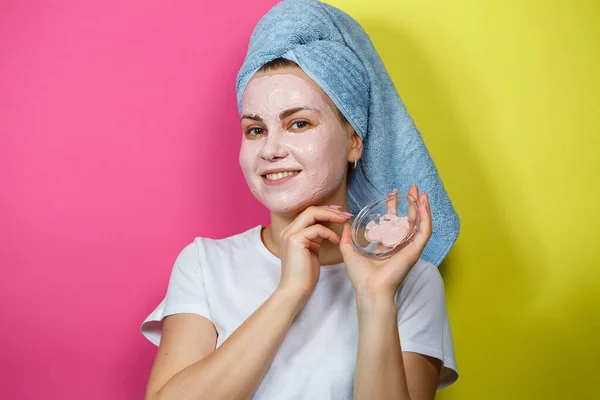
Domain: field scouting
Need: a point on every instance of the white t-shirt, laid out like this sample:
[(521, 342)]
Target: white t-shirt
[(227, 280)]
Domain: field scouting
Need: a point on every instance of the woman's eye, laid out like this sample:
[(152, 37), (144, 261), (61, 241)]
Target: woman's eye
[(300, 124), (255, 131)]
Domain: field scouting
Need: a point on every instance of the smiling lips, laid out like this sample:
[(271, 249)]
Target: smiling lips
[(279, 177)]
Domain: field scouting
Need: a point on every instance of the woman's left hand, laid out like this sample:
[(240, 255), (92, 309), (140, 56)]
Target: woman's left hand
[(372, 277)]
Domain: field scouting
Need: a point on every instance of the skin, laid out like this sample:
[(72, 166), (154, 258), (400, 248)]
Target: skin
[(305, 236)]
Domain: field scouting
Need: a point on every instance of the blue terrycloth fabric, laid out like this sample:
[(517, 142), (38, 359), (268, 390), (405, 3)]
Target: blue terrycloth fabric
[(333, 49)]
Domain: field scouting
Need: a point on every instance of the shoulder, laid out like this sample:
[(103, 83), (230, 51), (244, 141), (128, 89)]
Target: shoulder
[(229, 243), (422, 282), (203, 257), (423, 273), (203, 248)]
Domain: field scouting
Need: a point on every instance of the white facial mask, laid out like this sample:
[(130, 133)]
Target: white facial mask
[(318, 152)]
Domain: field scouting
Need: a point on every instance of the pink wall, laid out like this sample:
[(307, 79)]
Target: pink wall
[(119, 137)]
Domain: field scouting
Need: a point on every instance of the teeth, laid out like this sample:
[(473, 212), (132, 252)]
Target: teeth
[(280, 175)]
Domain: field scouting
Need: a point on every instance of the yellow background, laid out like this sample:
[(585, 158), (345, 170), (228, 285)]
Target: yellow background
[(506, 94)]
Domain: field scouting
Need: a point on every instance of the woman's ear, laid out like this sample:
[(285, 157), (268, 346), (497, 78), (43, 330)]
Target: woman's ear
[(355, 148)]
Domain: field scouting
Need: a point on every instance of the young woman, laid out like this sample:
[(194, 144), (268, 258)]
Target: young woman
[(290, 310)]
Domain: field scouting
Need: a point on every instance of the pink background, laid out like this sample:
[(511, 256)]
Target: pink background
[(119, 137)]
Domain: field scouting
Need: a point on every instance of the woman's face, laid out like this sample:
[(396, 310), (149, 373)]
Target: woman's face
[(295, 148)]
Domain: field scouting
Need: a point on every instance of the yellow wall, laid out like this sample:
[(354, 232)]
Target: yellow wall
[(506, 94)]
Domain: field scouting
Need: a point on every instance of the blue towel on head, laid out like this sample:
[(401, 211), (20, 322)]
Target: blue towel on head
[(333, 49)]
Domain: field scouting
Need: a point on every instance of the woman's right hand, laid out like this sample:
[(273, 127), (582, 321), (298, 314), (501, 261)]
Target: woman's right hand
[(300, 244)]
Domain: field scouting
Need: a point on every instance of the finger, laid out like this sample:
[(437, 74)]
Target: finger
[(415, 248), (315, 246), (346, 243), (391, 205), (413, 209), (414, 191), (315, 233), (313, 215), (345, 239)]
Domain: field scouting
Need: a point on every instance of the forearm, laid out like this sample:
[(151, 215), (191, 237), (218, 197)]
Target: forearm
[(379, 366), (236, 368)]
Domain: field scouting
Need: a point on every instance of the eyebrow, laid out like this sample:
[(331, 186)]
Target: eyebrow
[(284, 114), (253, 117)]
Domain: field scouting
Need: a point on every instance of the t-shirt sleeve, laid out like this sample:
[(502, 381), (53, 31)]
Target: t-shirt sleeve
[(185, 293), (423, 321)]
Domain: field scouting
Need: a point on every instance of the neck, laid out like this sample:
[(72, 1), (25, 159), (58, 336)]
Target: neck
[(328, 254)]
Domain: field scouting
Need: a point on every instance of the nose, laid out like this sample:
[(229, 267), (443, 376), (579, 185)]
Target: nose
[(274, 147)]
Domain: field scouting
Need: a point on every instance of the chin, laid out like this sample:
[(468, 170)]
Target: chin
[(292, 208), (296, 199), (287, 209)]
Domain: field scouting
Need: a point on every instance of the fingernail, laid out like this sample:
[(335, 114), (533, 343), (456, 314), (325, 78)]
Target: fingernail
[(347, 214), (335, 207)]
